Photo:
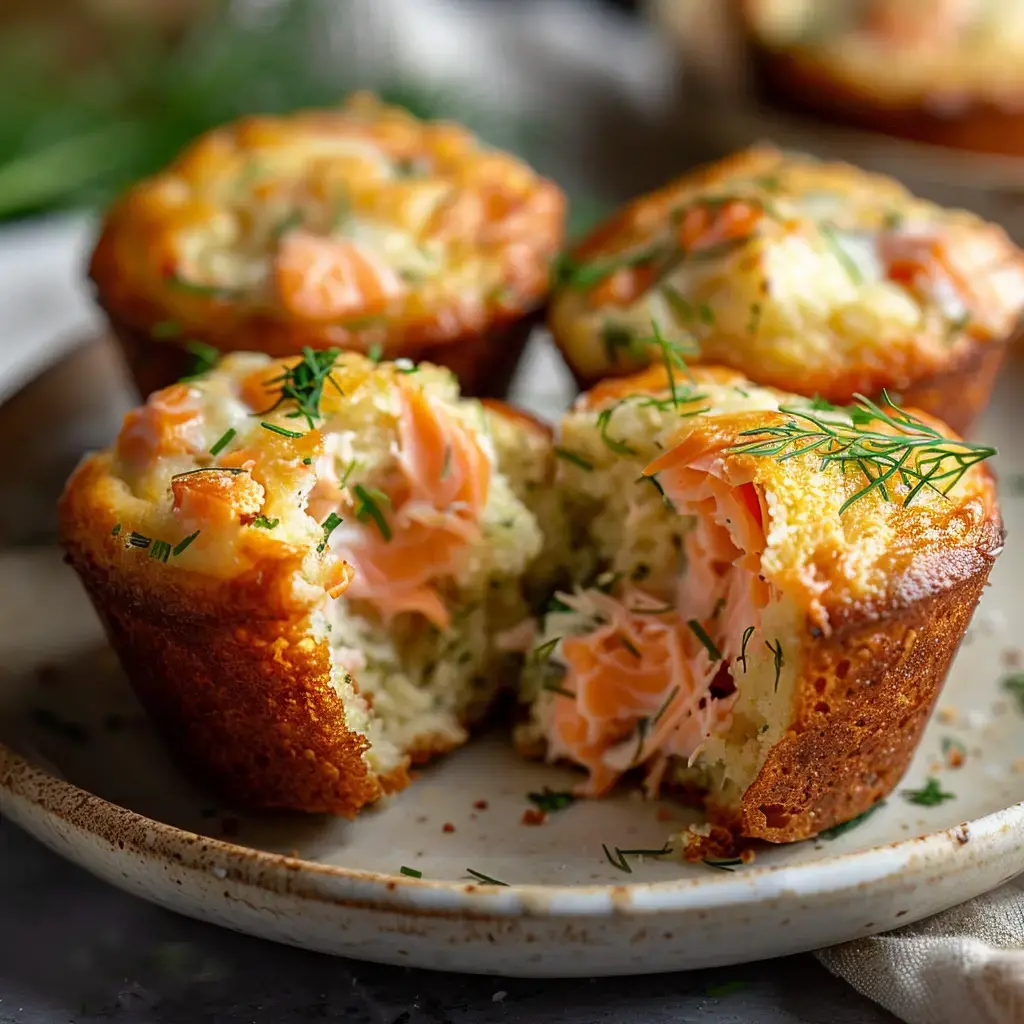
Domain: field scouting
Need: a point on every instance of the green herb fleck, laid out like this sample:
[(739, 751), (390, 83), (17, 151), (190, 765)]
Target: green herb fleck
[(369, 508), (223, 441), (486, 879), (285, 224), (756, 311), (845, 826), (709, 645), (554, 686), (410, 872), (160, 550), (619, 860), (204, 359), (263, 523), (1014, 685), (283, 431), (725, 989), (707, 314), (375, 353), (779, 660), (829, 233), (209, 291), (329, 525), (747, 634), (576, 460), (183, 544), (628, 645), (550, 800), (116, 530), (137, 540), (545, 650), (723, 865), (304, 383), (930, 794)]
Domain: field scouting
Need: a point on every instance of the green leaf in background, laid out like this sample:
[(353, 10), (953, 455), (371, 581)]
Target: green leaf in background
[(76, 138)]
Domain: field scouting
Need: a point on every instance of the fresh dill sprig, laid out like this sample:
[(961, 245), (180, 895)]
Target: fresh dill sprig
[(931, 794), (304, 383), (779, 659), (486, 879), (619, 859), (672, 356), (369, 508), (263, 523), (915, 454), (550, 800), (223, 441), (747, 634), (701, 634), (329, 525), (570, 456)]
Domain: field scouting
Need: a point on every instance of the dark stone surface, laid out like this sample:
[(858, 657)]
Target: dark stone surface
[(73, 950)]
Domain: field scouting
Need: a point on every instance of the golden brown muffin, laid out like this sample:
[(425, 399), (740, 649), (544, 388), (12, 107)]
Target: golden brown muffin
[(816, 278), (311, 568), (360, 228), (946, 72), (775, 592)]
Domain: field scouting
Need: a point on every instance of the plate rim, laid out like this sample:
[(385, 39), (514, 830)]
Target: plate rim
[(133, 833)]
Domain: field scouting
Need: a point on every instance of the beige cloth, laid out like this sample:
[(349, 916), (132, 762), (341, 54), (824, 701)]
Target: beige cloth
[(965, 966)]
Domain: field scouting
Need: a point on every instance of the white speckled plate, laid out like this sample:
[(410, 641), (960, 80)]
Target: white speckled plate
[(83, 771)]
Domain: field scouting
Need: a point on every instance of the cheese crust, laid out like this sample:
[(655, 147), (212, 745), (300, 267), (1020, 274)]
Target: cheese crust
[(945, 72), (361, 228), (818, 650), (219, 540), (816, 278)]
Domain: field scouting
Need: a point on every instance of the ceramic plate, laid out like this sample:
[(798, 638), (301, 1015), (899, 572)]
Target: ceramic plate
[(82, 770)]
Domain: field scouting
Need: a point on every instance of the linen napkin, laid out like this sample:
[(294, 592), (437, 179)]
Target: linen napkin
[(965, 965)]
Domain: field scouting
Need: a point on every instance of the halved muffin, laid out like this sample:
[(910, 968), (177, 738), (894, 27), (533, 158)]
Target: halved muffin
[(946, 72), (817, 278), (313, 570), (776, 592), (360, 228)]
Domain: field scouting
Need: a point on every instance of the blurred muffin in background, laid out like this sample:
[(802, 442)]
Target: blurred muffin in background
[(359, 227), (948, 72), (813, 277)]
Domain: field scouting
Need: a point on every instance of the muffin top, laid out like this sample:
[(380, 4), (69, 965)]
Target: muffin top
[(945, 48), (357, 227), (808, 276)]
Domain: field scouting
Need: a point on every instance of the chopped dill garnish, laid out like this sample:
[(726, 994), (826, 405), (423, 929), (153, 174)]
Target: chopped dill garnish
[(661, 490), (619, 860), (226, 470), (304, 383), (486, 879), (545, 650), (576, 460), (550, 800), (210, 291), (349, 470), (554, 686), (845, 826), (615, 337), (709, 645), (307, 461), (723, 865), (204, 359), (892, 220), (779, 661), (137, 540), (822, 404), (263, 523), (375, 353), (680, 306), (116, 530), (747, 634), (184, 543), (369, 508), (916, 454), (604, 418), (283, 431), (410, 872), (671, 354), (666, 703), (223, 441), (329, 525), (628, 645), (828, 232), (930, 794), (573, 274), (160, 550), (707, 314)]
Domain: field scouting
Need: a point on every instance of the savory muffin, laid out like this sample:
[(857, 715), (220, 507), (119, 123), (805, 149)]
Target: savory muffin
[(360, 228), (314, 570), (946, 72), (776, 589), (816, 278)]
